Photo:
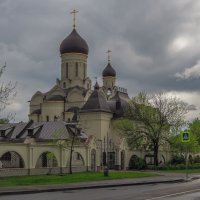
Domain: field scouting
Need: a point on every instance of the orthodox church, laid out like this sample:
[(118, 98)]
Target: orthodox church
[(72, 100)]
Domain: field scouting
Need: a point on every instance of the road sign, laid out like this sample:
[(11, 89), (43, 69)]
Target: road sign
[(185, 136)]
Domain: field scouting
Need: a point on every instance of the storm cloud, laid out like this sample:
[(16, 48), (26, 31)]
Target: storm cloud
[(155, 44)]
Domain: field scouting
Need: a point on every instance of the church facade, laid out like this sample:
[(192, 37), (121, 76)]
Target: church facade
[(72, 106)]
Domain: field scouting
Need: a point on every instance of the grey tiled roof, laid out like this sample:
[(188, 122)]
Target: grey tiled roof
[(41, 130), (38, 112), (96, 103), (55, 98), (118, 104)]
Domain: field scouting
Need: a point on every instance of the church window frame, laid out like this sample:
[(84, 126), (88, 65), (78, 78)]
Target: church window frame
[(47, 118), (67, 70), (76, 72), (84, 70)]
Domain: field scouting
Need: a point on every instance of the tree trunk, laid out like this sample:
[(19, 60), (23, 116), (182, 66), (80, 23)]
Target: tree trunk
[(71, 152), (155, 150)]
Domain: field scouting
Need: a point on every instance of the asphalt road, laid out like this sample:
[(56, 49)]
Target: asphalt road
[(175, 191)]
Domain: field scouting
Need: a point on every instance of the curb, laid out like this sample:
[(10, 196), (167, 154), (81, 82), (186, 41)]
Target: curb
[(42, 190)]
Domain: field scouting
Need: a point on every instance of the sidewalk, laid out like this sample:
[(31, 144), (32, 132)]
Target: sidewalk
[(163, 178)]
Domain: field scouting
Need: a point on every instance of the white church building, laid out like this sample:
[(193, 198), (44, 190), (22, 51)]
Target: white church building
[(72, 107)]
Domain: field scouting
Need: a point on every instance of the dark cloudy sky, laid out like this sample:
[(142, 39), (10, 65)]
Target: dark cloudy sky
[(155, 44)]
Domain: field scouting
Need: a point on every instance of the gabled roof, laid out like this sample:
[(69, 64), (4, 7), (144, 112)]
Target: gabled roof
[(96, 103), (41, 131), (37, 112), (118, 104), (55, 98)]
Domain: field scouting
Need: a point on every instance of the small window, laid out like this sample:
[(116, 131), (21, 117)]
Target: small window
[(84, 68), (55, 118), (67, 70), (76, 69), (64, 85), (47, 118), (2, 133)]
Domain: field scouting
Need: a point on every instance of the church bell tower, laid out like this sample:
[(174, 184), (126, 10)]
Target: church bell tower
[(74, 52)]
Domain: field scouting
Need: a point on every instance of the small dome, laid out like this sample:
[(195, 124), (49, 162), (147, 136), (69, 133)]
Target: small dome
[(109, 71), (74, 43)]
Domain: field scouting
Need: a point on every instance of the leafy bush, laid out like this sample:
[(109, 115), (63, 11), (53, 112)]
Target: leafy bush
[(179, 167), (195, 166), (196, 159), (137, 163), (177, 159)]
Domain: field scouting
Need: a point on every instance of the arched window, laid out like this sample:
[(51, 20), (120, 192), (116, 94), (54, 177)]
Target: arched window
[(84, 68), (67, 70), (46, 159), (55, 118), (64, 85), (6, 156), (47, 118), (76, 69), (12, 159)]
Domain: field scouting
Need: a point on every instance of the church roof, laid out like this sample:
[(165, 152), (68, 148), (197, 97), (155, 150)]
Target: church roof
[(40, 131), (38, 112), (96, 102), (55, 98), (74, 43), (109, 71), (118, 104)]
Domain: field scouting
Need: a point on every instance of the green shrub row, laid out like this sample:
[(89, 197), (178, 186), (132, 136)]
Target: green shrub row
[(179, 166)]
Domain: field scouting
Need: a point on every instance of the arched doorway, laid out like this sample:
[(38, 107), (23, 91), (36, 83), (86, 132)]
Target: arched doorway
[(11, 159), (136, 162), (122, 160), (93, 160), (46, 159)]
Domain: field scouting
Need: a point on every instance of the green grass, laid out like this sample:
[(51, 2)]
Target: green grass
[(190, 171), (69, 178)]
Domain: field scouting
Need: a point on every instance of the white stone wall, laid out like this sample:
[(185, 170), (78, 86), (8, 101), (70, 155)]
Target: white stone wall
[(74, 77)]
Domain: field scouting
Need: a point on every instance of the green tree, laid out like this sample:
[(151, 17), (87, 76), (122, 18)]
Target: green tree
[(149, 119), (69, 143), (194, 127), (4, 120), (7, 92), (179, 147)]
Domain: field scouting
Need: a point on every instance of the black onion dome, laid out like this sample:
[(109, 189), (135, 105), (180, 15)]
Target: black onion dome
[(74, 43), (109, 71)]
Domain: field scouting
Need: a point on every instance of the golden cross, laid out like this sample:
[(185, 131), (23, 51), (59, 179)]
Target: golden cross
[(74, 12), (108, 52)]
